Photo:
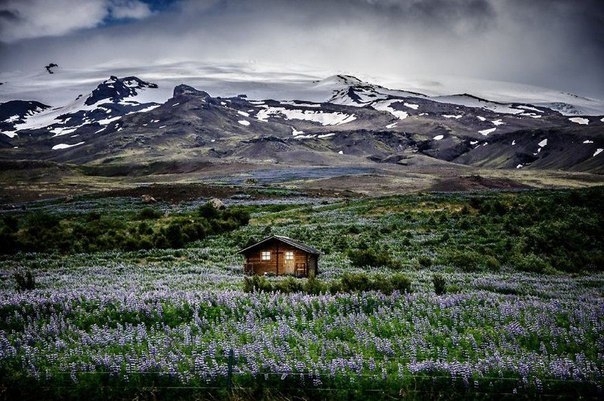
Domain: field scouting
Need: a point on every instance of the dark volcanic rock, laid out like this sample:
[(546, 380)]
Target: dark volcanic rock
[(15, 111), (116, 89), (186, 90)]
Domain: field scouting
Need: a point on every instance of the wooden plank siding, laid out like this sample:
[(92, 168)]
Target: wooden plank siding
[(285, 259)]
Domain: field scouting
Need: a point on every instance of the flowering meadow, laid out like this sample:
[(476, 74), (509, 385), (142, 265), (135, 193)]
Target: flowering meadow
[(177, 324)]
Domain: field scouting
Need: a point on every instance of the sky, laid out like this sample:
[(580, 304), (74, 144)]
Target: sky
[(557, 44)]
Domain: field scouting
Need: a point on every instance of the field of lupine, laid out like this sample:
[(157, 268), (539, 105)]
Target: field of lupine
[(515, 319)]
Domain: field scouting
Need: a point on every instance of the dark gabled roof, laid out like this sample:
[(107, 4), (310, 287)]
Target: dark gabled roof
[(285, 240)]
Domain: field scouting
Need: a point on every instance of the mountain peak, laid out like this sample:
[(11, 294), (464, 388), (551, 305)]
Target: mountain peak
[(340, 80), (186, 90), (116, 89)]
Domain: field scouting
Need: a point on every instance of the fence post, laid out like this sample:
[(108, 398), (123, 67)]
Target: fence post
[(230, 371)]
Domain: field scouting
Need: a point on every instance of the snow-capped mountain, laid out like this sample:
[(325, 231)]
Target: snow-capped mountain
[(294, 119)]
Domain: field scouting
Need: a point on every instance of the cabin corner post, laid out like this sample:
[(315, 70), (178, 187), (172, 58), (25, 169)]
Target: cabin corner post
[(277, 258)]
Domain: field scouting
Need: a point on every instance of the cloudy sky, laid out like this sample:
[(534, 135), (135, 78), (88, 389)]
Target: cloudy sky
[(557, 44)]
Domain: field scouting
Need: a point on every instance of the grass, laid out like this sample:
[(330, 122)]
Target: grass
[(500, 294)]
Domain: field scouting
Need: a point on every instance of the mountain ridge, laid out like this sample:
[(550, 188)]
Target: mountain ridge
[(354, 121)]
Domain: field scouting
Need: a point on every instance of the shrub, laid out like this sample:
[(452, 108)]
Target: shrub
[(355, 282), (208, 211), (440, 284), (289, 285), (239, 215), (424, 261), (381, 284), (149, 213), (491, 263), (401, 283), (314, 286), (24, 281), (174, 235), (257, 284), (531, 263), (371, 257), (248, 284), (468, 261), (335, 287)]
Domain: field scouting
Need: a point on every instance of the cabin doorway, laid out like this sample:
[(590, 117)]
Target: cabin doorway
[(288, 263)]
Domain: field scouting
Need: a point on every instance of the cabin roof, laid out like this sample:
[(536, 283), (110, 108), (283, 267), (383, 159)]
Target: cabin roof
[(285, 240)]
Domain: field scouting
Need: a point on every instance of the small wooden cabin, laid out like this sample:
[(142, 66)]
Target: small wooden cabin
[(280, 255)]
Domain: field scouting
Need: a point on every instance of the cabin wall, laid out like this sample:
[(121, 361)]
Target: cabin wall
[(278, 264)]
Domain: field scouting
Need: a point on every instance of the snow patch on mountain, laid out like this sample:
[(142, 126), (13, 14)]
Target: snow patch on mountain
[(58, 131), (486, 132), (66, 146), (387, 106), (579, 120), (106, 121), (324, 118)]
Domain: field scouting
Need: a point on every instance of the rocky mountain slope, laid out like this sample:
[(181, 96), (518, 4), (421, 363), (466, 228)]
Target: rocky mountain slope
[(338, 120)]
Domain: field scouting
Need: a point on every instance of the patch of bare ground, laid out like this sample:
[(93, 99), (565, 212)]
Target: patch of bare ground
[(476, 183), (373, 184), (28, 182), (180, 192)]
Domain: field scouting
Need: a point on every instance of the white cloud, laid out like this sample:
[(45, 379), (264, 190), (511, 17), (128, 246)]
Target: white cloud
[(26, 19), (122, 9), (552, 43)]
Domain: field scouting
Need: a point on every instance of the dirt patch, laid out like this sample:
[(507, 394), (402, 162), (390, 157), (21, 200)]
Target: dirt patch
[(476, 183), (176, 193)]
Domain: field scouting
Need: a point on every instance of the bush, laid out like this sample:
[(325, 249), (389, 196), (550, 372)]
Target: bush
[(371, 257), (289, 285), (174, 235), (24, 281), (424, 261), (531, 263), (149, 213), (401, 283), (381, 284), (257, 284), (468, 261), (208, 211), (440, 284), (352, 282), (314, 286)]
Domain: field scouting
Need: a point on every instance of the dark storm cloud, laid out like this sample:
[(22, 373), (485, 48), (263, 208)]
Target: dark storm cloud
[(444, 13), (8, 15), (555, 43)]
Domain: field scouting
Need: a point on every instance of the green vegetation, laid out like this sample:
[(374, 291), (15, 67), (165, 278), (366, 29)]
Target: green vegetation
[(426, 296), (71, 232), (440, 284), (535, 231), (25, 281), (350, 282)]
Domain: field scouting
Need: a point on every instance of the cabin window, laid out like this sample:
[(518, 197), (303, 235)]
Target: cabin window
[(289, 255), (265, 255)]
